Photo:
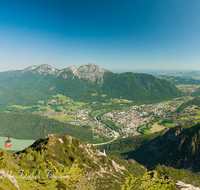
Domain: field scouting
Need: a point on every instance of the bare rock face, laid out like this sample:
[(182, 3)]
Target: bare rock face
[(10, 177), (46, 69), (89, 71), (42, 69)]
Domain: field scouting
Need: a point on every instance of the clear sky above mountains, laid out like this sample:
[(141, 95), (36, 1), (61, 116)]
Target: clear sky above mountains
[(114, 34)]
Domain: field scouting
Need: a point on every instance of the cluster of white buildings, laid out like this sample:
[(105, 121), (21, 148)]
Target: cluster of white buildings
[(130, 119)]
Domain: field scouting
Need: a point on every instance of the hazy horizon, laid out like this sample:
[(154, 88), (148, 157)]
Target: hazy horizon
[(120, 35), (121, 70)]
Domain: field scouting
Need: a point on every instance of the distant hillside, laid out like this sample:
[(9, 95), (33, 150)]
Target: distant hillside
[(195, 101), (138, 87), (32, 126), (193, 73), (196, 93), (181, 80), (90, 83), (17, 97)]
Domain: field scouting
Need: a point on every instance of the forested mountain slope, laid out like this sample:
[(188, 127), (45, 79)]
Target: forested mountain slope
[(123, 145), (90, 83), (177, 147), (32, 126), (20, 97)]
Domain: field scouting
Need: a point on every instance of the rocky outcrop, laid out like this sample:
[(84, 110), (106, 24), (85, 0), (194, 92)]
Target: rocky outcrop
[(42, 69), (89, 71), (10, 177)]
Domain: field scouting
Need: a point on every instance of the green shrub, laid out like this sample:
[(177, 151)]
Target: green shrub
[(67, 162), (22, 163)]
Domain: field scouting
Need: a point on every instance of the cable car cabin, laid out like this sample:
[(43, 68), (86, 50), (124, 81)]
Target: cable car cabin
[(8, 143)]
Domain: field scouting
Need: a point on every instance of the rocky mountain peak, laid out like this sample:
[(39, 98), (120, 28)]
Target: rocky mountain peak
[(44, 68), (31, 68), (73, 69), (89, 71)]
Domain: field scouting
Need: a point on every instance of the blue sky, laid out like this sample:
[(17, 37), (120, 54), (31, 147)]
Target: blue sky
[(114, 34)]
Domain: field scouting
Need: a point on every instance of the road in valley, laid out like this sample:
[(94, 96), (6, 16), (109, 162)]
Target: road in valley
[(116, 134)]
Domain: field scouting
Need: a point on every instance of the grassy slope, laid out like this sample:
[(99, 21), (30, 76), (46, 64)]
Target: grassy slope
[(35, 158)]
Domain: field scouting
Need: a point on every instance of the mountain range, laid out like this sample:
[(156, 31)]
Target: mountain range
[(87, 83)]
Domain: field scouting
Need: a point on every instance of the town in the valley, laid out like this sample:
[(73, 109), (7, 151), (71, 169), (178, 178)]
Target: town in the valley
[(135, 120)]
